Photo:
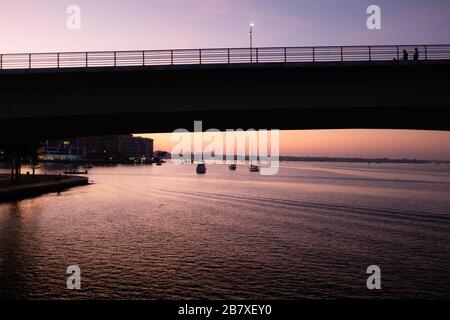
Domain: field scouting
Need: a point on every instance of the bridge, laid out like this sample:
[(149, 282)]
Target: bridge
[(46, 95)]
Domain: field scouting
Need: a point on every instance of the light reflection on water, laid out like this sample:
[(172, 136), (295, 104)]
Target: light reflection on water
[(166, 233)]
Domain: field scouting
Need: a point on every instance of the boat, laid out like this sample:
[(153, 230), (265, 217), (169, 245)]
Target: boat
[(232, 167), (254, 168), (75, 172), (201, 168), (89, 166), (159, 164)]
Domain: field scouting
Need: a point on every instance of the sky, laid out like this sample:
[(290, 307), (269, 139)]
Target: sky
[(394, 144), (40, 26)]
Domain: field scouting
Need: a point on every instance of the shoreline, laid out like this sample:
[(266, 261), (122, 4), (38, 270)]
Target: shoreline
[(29, 190)]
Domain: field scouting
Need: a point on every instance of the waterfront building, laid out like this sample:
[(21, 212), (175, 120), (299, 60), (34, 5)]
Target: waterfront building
[(118, 148), (61, 150)]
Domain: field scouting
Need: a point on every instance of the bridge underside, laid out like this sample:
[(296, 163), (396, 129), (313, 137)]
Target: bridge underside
[(39, 104)]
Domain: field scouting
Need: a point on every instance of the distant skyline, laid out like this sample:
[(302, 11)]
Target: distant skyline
[(394, 144), (40, 26)]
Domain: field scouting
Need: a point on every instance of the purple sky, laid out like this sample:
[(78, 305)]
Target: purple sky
[(39, 26)]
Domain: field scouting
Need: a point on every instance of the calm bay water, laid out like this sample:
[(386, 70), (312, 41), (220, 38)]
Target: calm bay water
[(165, 233)]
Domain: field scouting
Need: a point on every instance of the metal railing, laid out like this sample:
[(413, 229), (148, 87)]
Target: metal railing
[(146, 58)]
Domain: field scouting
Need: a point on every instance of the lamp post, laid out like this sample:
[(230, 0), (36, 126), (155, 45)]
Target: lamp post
[(251, 41)]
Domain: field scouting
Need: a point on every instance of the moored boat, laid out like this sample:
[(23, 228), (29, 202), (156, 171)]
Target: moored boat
[(201, 168), (75, 172)]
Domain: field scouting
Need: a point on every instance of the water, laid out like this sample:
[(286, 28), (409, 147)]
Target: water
[(166, 233)]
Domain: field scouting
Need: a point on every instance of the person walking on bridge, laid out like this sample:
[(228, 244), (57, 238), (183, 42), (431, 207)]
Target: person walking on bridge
[(416, 54), (405, 55)]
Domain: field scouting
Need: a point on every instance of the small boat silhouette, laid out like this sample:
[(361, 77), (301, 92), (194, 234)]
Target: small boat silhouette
[(75, 172), (201, 168), (254, 168)]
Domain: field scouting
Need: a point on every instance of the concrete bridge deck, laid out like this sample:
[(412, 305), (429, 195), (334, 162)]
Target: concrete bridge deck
[(49, 102)]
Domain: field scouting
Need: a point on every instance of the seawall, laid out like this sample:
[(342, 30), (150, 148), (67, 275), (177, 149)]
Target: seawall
[(60, 183)]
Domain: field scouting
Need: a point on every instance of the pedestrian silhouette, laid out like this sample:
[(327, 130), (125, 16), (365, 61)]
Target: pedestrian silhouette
[(405, 55), (416, 54)]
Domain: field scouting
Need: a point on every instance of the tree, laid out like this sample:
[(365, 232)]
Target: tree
[(19, 153)]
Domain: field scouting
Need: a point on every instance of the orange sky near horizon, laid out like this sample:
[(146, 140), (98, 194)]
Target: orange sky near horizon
[(397, 144)]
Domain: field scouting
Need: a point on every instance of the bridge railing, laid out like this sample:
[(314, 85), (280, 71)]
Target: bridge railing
[(220, 56)]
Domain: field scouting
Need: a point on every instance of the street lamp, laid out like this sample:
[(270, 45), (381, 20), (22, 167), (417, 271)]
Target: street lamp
[(251, 41)]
